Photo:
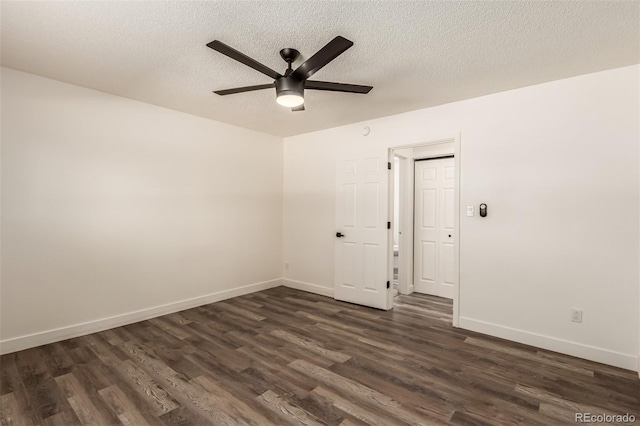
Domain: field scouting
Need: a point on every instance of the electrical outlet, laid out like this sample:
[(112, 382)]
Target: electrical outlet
[(576, 315), (286, 266)]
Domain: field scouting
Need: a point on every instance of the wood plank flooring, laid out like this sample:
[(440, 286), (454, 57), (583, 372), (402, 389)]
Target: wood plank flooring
[(286, 357)]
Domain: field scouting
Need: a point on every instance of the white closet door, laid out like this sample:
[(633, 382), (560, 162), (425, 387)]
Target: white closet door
[(433, 226)]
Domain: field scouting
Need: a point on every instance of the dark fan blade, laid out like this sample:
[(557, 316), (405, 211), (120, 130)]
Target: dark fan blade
[(241, 57), (244, 89), (336, 87), (325, 55), (298, 108)]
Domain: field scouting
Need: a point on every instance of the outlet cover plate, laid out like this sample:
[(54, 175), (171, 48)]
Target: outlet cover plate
[(576, 315)]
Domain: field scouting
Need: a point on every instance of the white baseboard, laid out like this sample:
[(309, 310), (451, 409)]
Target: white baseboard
[(605, 356), (63, 333), (311, 288)]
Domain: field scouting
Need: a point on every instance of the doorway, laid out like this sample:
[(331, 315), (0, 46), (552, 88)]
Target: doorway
[(424, 242)]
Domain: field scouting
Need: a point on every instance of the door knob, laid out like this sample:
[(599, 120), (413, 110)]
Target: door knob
[(339, 235), (449, 235)]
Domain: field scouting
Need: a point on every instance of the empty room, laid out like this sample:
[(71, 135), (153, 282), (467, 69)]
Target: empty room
[(319, 212)]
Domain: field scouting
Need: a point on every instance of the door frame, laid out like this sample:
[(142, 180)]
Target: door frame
[(407, 226), (405, 272)]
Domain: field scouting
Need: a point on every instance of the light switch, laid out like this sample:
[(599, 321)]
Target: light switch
[(469, 211)]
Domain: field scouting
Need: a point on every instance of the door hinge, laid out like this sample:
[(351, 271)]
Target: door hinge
[(389, 166), (388, 225), (388, 284)]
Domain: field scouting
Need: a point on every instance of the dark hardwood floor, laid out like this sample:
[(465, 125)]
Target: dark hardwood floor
[(284, 356)]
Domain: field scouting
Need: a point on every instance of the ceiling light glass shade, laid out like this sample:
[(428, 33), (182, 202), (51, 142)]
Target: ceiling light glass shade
[(290, 101)]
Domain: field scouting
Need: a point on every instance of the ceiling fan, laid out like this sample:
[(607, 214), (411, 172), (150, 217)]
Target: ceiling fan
[(290, 86)]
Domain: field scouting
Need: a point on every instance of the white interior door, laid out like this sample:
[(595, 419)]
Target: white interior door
[(434, 247), (361, 263)]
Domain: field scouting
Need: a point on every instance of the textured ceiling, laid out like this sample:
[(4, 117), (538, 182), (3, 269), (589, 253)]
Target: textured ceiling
[(415, 54)]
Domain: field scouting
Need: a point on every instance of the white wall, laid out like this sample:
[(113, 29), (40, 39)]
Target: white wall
[(115, 209), (557, 165), (309, 213)]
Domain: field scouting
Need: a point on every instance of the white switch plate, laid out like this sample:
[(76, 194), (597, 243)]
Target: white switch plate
[(469, 211)]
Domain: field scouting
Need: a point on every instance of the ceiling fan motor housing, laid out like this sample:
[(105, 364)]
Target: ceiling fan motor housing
[(289, 86)]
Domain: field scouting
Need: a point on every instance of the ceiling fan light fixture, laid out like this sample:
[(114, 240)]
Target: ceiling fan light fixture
[(290, 100), (289, 92)]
